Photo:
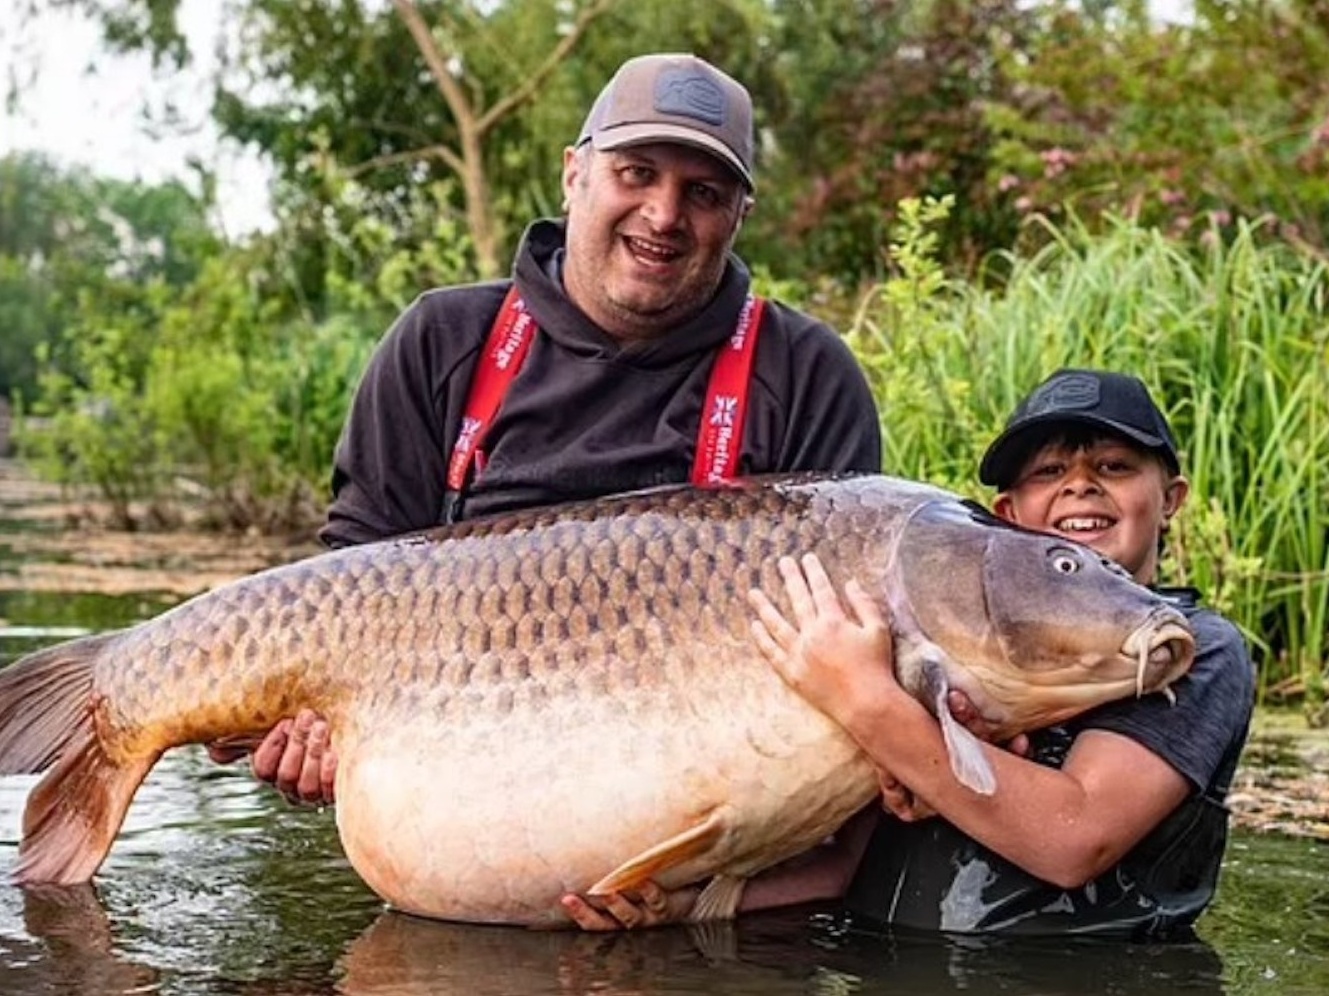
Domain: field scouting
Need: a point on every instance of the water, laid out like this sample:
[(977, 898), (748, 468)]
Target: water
[(216, 887)]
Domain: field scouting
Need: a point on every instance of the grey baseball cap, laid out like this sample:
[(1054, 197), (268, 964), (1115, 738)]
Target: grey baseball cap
[(674, 97), (1101, 399)]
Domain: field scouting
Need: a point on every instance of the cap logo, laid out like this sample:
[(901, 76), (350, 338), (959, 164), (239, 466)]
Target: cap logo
[(689, 94), (1066, 393)]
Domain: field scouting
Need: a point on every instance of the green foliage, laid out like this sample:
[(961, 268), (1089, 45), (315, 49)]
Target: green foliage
[(26, 316), (883, 101), (907, 333), (232, 386), (98, 428), (1181, 127), (67, 237), (1231, 338)]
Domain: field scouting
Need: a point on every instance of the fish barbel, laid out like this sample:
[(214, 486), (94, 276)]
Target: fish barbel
[(570, 699)]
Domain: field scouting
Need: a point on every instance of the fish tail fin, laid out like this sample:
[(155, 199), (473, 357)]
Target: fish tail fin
[(46, 722), (45, 702)]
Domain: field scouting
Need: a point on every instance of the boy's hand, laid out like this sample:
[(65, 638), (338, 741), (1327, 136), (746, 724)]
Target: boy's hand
[(835, 660), (838, 660)]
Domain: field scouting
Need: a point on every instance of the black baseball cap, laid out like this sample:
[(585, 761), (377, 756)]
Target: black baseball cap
[(675, 97), (1101, 399)]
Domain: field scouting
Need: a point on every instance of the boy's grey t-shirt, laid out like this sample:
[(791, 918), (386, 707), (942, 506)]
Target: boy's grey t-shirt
[(929, 875)]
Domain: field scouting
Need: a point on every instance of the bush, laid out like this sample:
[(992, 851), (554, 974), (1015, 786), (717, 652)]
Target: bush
[(1230, 336)]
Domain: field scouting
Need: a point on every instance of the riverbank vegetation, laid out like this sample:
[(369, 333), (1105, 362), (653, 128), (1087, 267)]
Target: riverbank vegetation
[(976, 193)]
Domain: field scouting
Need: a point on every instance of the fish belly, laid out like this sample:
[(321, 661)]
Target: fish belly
[(492, 813)]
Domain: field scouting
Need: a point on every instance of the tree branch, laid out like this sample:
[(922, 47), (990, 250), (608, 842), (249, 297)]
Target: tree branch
[(442, 152), (535, 80), (437, 65)]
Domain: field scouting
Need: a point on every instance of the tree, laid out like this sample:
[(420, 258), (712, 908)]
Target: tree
[(474, 121), (419, 90), (1186, 127), (66, 236)]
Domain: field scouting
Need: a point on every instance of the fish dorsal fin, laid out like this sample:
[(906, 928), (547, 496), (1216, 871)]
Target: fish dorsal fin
[(675, 851)]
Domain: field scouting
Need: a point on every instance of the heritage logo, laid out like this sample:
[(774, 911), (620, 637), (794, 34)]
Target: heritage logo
[(508, 347)]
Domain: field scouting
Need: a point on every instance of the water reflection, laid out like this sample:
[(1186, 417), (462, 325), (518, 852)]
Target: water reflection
[(71, 949), (775, 953), (218, 888), (68, 948)]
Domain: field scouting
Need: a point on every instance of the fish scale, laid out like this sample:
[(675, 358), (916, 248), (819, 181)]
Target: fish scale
[(570, 699)]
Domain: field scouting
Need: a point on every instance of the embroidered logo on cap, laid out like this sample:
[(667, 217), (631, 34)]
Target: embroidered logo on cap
[(1074, 391), (689, 94)]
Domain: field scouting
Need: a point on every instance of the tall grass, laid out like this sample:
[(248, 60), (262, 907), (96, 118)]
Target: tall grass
[(1233, 340)]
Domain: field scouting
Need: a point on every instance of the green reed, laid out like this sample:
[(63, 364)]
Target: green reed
[(1231, 335)]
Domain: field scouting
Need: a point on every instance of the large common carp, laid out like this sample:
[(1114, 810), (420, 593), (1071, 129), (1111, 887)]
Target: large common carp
[(570, 699)]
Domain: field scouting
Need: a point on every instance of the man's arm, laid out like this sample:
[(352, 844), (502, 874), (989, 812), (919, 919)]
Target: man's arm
[(390, 467), (829, 417)]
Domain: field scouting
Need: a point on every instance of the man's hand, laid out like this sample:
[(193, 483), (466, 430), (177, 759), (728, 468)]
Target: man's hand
[(295, 756), (899, 800), (651, 906)]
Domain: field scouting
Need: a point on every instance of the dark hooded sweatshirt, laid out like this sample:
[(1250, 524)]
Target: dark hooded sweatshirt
[(587, 415)]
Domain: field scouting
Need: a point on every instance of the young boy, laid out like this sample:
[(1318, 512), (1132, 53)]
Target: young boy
[(1113, 824)]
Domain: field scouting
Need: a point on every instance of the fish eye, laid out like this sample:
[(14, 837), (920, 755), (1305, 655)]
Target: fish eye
[(1064, 561)]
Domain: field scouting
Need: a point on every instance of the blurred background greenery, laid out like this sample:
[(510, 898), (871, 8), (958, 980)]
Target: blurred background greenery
[(975, 193)]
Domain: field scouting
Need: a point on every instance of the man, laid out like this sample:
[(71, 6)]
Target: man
[(1117, 824), (600, 379)]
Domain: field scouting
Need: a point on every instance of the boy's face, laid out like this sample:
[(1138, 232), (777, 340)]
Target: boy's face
[(1107, 493)]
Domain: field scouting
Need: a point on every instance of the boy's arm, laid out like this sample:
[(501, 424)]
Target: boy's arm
[(1064, 826)]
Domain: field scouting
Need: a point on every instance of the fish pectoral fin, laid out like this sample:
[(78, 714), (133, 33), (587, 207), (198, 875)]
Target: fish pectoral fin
[(968, 762), (651, 864), (719, 900)]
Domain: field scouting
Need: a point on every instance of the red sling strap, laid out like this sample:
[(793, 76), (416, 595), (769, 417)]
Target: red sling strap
[(719, 440), (509, 341)]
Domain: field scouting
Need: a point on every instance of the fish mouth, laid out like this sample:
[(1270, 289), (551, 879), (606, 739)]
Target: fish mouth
[(1163, 647)]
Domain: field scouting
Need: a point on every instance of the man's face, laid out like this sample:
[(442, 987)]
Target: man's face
[(1107, 494), (647, 232)]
